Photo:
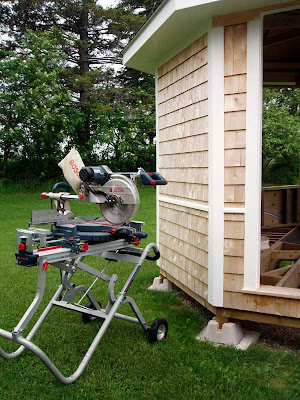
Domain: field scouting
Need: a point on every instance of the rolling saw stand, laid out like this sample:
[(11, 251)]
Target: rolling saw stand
[(64, 247)]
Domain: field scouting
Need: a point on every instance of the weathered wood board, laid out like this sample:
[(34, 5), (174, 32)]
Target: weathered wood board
[(235, 87)]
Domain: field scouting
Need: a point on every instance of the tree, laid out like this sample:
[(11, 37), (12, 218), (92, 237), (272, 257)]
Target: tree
[(92, 38), (36, 114), (143, 7), (90, 35), (124, 120), (281, 136)]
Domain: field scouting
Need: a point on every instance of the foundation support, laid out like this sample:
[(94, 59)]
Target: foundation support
[(230, 334), (160, 284)]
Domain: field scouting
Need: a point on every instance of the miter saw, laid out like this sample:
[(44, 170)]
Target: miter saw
[(116, 193), (118, 197)]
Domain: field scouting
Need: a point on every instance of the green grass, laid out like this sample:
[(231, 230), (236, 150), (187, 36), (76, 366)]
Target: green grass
[(125, 366)]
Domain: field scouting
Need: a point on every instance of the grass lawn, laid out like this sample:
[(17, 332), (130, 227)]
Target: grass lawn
[(125, 366)]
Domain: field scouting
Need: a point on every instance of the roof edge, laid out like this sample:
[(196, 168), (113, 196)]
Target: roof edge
[(164, 4)]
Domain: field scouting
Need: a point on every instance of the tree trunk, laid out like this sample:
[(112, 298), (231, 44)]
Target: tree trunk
[(5, 160), (83, 130)]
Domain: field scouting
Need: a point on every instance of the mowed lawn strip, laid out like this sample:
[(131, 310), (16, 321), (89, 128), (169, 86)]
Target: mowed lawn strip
[(124, 365)]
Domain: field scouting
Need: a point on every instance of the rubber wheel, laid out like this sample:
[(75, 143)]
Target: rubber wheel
[(86, 318), (158, 330)]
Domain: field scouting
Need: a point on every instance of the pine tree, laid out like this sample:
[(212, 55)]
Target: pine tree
[(92, 37), (117, 109), (143, 7)]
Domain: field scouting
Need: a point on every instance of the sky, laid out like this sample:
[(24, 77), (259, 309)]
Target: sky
[(107, 3)]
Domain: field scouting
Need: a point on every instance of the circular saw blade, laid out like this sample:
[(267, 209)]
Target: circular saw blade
[(120, 212)]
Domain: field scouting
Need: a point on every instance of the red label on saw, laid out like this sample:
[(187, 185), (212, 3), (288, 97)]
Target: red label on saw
[(116, 190), (74, 168)]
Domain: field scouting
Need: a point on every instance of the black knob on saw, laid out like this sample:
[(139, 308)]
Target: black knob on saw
[(98, 174), (86, 174)]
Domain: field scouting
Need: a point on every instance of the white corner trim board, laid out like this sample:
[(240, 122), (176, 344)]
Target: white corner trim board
[(253, 155), (157, 155), (216, 165)]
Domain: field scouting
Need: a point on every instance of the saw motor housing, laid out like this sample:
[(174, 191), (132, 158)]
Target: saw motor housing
[(98, 175)]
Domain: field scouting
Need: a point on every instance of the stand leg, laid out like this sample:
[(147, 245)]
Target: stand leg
[(49, 364), (35, 328), (137, 312)]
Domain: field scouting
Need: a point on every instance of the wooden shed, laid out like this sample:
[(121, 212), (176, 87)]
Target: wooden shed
[(211, 59)]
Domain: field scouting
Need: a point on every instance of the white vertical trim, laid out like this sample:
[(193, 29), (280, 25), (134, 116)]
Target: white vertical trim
[(157, 156), (253, 155), (216, 166)]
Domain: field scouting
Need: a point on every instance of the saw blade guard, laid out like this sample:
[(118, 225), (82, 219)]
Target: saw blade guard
[(123, 202)]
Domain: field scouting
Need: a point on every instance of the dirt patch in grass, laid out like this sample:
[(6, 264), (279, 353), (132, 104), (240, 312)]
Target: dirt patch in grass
[(174, 307), (194, 305), (275, 336), (277, 383), (271, 336)]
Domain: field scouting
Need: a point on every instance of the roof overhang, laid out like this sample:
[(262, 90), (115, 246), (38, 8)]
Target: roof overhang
[(176, 24)]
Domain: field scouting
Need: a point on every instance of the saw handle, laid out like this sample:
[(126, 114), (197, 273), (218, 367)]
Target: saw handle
[(63, 185), (155, 257), (152, 178)]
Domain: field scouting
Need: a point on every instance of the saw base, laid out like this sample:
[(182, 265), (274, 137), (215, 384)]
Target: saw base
[(96, 230)]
